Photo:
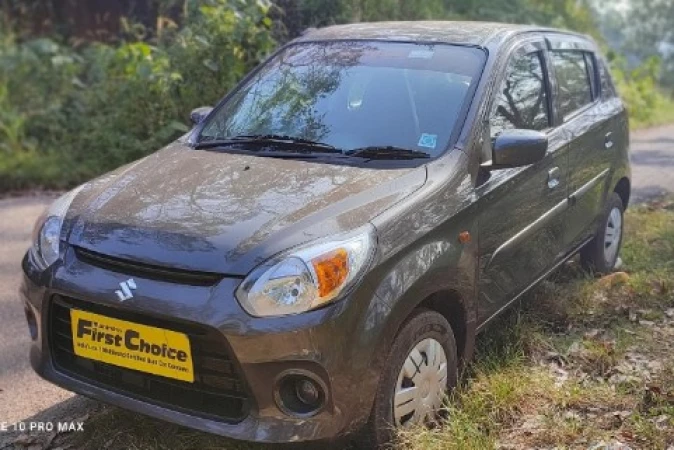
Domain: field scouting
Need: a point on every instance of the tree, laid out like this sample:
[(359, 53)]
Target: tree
[(643, 30), (302, 14)]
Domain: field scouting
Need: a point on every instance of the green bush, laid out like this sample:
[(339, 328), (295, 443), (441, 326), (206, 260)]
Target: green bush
[(71, 111), (647, 105), (68, 115)]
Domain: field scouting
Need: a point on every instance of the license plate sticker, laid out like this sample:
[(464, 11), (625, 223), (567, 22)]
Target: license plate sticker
[(134, 346)]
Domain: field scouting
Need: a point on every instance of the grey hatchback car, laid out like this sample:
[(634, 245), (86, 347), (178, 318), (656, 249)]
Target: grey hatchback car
[(316, 257)]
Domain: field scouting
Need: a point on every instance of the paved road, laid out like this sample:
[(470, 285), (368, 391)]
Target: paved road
[(23, 395), (652, 163)]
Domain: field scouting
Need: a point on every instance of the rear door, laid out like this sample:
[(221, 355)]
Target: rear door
[(587, 125), (522, 210)]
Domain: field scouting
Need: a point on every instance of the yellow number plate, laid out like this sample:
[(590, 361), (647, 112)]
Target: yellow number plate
[(131, 345)]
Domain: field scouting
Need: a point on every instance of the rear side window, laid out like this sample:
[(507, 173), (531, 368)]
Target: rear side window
[(574, 80), (521, 101)]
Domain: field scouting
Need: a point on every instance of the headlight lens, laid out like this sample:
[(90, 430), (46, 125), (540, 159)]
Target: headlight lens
[(305, 279), (47, 232), (48, 241)]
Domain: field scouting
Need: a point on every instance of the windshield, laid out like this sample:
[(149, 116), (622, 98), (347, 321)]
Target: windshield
[(354, 95)]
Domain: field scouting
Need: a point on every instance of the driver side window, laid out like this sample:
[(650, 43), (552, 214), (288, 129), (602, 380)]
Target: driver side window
[(521, 102)]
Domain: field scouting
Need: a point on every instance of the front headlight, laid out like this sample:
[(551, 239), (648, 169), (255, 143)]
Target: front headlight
[(307, 278), (47, 231)]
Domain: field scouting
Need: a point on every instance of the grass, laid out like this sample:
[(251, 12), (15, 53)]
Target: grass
[(579, 362)]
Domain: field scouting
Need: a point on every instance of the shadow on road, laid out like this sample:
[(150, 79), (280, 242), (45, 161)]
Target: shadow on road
[(647, 193), (653, 158), (656, 141)]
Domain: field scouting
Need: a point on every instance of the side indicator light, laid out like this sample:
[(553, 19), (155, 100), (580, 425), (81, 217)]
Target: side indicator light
[(464, 237)]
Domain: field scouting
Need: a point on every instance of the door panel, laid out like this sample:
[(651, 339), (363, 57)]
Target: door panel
[(589, 164), (593, 138), (521, 220), (522, 210)]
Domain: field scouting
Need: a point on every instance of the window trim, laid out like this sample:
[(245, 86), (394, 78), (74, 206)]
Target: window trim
[(595, 84)]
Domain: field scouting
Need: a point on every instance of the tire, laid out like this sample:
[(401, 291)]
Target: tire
[(419, 331), (601, 254)]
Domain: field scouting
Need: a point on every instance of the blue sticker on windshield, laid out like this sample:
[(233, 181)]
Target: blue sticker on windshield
[(428, 140)]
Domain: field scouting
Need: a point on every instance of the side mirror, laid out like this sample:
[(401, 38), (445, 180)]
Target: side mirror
[(517, 148), (198, 115)]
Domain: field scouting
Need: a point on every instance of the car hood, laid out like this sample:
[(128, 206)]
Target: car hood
[(225, 212)]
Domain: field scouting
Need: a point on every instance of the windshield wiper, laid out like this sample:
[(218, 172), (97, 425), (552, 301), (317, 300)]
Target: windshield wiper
[(278, 142), (387, 152)]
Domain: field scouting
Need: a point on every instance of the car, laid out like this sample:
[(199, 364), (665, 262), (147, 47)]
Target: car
[(315, 258)]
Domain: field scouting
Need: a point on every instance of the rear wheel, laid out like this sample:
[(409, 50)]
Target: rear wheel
[(602, 253), (421, 368)]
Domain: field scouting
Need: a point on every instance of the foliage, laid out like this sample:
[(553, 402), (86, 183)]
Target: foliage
[(303, 14), (638, 87), (570, 14), (640, 30), (67, 115), (72, 108)]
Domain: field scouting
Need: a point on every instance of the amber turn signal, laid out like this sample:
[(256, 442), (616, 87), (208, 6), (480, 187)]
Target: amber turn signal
[(331, 271), (464, 237)]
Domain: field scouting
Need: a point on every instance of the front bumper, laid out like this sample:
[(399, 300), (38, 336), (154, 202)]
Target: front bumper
[(334, 345)]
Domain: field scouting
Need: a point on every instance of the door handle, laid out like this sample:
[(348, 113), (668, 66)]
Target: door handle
[(608, 140), (553, 178)]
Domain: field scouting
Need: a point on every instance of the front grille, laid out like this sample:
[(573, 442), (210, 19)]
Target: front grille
[(148, 271), (218, 392)]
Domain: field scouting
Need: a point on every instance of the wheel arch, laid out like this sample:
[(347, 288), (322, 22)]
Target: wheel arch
[(623, 189), (450, 305), (449, 292)]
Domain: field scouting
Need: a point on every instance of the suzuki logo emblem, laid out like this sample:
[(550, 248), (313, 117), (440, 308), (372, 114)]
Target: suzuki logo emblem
[(125, 292)]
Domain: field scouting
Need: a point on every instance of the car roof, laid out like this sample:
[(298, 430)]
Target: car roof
[(457, 32)]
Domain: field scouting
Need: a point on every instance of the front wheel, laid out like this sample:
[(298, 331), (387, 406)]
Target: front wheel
[(420, 370), (601, 254)]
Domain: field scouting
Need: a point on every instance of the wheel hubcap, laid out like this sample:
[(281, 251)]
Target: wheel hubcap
[(613, 235), (421, 385)]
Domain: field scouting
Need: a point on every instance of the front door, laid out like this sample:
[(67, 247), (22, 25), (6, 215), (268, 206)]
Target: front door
[(522, 210)]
